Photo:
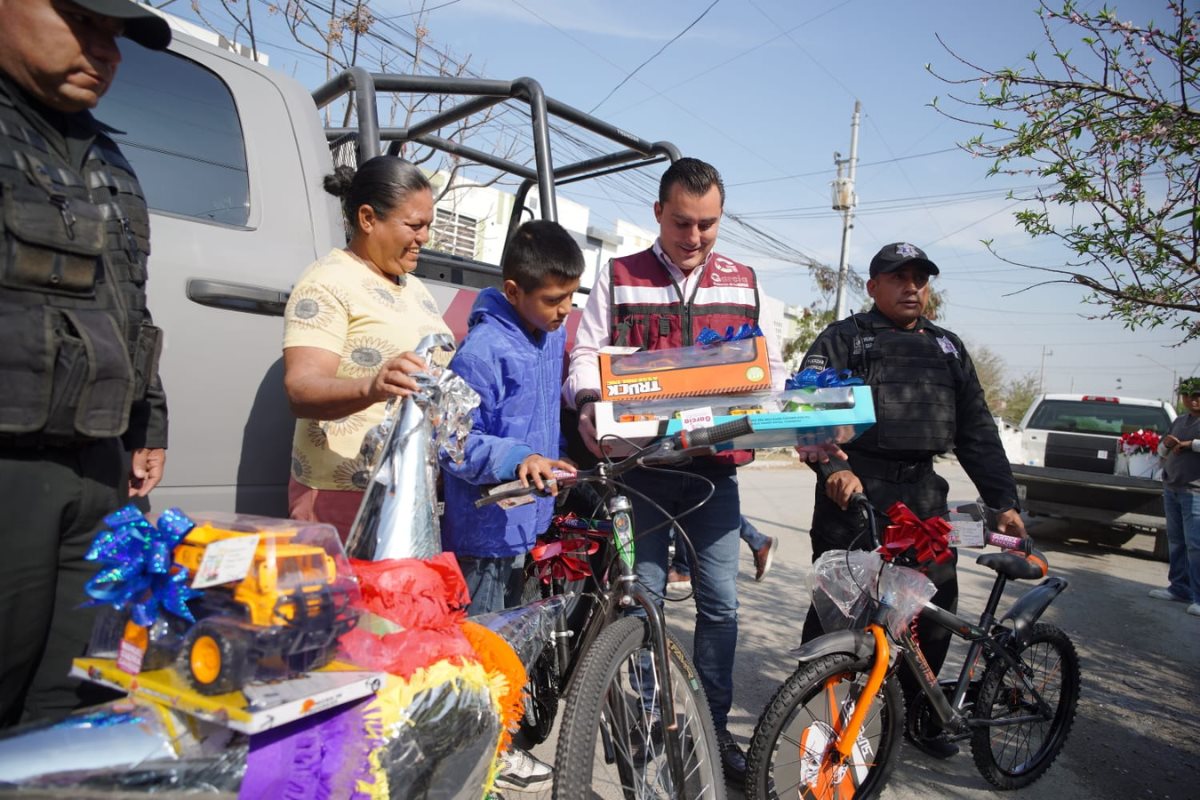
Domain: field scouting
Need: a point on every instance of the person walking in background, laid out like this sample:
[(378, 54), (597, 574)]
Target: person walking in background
[(83, 415), (762, 547), (513, 357), (349, 330), (1180, 451)]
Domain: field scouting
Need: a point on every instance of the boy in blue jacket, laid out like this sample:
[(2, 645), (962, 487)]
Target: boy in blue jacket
[(513, 357)]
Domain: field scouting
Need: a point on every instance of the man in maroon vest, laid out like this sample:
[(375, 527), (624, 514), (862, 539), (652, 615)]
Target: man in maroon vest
[(662, 298)]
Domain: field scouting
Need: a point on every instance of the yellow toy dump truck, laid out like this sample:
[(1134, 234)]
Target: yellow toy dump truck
[(282, 618)]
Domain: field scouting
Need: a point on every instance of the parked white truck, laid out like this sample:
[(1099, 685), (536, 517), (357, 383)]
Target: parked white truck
[(231, 155), (1068, 464)]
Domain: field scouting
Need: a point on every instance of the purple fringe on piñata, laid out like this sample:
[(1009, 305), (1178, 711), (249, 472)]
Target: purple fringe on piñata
[(318, 758)]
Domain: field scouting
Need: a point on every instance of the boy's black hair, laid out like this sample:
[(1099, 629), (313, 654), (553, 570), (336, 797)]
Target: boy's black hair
[(541, 249), (695, 176)]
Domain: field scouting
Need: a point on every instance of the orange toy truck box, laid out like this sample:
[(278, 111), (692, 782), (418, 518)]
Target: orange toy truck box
[(724, 368)]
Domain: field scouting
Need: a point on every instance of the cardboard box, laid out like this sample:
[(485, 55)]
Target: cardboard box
[(258, 707), (825, 415), (723, 368)]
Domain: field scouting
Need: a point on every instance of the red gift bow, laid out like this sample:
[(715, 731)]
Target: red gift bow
[(564, 559), (927, 538)]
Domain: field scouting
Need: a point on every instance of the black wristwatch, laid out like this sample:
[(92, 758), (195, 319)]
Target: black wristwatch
[(583, 397)]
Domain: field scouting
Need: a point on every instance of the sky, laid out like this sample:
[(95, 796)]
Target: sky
[(765, 90)]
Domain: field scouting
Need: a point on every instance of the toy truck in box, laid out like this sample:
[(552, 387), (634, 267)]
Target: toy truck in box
[(282, 619)]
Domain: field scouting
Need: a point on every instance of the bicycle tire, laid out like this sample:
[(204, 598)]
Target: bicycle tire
[(1005, 755), (801, 715), (603, 715)]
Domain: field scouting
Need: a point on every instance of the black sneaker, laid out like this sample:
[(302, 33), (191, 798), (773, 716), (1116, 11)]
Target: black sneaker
[(733, 760), (935, 746)]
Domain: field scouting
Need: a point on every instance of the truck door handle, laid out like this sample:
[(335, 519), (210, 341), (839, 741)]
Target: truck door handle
[(242, 297)]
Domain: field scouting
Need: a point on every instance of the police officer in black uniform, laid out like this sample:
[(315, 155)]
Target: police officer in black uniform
[(927, 401), (83, 418)]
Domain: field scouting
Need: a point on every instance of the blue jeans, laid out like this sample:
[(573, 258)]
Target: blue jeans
[(494, 584), (713, 531), (754, 539), (1183, 543)]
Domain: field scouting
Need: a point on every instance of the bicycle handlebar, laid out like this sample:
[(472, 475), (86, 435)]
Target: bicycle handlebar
[(860, 501), (672, 449)]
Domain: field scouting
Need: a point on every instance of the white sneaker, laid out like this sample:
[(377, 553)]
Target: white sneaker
[(1194, 609), (520, 770), (1165, 594)]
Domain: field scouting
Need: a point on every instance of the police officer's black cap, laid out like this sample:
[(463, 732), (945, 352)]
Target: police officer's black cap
[(141, 24), (900, 254)]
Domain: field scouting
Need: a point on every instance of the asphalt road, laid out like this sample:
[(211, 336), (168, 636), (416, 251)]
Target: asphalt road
[(1137, 728)]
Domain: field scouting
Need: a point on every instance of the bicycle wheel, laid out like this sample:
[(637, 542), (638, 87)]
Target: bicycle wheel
[(611, 744), (1014, 756), (791, 754)]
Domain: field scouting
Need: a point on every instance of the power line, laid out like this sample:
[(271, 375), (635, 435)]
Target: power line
[(673, 39)]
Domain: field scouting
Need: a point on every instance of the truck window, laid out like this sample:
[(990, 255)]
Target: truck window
[(1086, 416), (179, 127)]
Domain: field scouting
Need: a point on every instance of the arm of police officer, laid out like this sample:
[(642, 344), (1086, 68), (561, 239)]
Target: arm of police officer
[(146, 470), (979, 449), (826, 351)]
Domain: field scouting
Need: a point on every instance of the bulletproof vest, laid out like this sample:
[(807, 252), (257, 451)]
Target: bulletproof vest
[(78, 347), (915, 390)]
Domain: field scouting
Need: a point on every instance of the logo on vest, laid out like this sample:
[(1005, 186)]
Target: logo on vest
[(718, 279), (722, 264), (633, 388), (947, 346)]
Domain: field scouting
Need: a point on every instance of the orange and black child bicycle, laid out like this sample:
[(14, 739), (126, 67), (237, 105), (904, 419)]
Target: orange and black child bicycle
[(833, 730)]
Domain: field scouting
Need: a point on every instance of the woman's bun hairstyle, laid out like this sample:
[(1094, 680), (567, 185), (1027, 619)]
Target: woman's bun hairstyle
[(382, 182)]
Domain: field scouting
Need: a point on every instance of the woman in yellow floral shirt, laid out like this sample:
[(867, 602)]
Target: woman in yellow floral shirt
[(349, 329)]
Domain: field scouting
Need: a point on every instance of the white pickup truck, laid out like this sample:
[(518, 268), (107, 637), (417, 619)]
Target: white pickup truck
[(1067, 464), (231, 155)]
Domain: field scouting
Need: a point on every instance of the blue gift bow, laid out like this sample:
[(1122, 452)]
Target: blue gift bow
[(825, 379), (139, 561), (707, 336)]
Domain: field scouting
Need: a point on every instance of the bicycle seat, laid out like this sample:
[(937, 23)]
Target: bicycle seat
[(1016, 565)]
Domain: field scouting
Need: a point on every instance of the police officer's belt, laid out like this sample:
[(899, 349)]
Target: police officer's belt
[(886, 469)]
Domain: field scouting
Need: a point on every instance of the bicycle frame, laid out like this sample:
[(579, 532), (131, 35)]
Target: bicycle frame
[(984, 637), (614, 597)]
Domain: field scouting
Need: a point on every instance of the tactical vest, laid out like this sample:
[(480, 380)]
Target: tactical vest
[(649, 311), (914, 388), (78, 347)]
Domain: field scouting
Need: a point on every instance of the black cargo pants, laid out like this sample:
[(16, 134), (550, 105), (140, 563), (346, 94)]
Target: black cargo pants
[(52, 502), (834, 529)]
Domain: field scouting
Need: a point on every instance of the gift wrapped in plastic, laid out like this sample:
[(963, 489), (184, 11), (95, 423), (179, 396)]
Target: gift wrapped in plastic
[(844, 582), (398, 515), (127, 744), (232, 617)]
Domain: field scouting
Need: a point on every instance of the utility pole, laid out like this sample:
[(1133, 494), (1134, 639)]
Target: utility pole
[(844, 200), (1042, 375)]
